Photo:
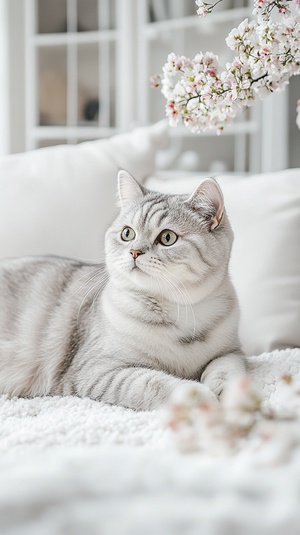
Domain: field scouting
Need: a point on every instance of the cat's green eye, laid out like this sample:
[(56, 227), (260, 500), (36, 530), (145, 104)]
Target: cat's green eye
[(127, 234), (167, 237)]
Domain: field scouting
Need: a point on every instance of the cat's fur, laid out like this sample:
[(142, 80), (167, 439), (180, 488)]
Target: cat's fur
[(122, 335)]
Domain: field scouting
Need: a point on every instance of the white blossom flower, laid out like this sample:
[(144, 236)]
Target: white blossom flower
[(202, 11)]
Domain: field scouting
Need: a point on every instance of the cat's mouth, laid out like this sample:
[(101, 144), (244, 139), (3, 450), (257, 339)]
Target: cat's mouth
[(137, 268)]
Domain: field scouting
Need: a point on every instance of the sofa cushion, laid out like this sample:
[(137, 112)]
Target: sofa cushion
[(60, 200)]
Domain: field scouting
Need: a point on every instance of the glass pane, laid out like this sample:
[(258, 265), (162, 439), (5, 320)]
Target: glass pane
[(111, 91), (107, 84), (160, 48), (51, 16), (88, 101), (112, 14), (158, 10), (87, 15), (170, 9), (52, 86)]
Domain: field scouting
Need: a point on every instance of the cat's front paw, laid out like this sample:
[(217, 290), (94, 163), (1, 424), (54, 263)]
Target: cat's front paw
[(216, 382), (221, 371)]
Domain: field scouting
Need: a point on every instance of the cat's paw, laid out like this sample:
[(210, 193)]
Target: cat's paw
[(221, 371), (216, 382)]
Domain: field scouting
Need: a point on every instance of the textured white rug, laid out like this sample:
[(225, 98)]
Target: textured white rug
[(71, 466)]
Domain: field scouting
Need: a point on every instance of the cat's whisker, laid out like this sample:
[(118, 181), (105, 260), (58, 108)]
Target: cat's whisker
[(158, 282), (186, 303), (115, 270), (103, 281), (173, 290), (160, 287), (165, 272), (158, 269), (186, 300), (175, 293), (91, 274), (95, 261), (99, 282)]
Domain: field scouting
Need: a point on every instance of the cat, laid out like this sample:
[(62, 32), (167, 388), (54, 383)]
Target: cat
[(161, 312)]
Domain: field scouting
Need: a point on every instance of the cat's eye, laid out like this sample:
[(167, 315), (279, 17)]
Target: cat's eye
[(127, 234), (167, 237)]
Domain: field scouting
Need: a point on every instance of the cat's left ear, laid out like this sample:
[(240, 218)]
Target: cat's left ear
[(208, 199), (129, 189)]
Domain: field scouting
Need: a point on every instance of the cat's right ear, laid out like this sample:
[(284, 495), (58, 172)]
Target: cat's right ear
[(208, 199), (128, 189)]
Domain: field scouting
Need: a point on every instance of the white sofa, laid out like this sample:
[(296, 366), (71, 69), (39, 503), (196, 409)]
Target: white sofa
[(77, 466)]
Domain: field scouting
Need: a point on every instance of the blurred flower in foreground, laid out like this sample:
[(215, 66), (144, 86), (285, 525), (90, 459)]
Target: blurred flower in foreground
[(240, 422)]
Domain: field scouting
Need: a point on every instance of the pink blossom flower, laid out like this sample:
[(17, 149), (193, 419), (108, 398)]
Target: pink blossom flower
[(212, 71), (264, 51)]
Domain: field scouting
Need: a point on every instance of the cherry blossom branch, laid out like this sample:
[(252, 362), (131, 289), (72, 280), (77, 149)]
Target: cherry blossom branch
[(201, 94)]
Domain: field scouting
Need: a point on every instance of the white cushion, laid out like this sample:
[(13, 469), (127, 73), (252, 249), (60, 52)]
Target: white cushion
[(60, 200), (264, 211)]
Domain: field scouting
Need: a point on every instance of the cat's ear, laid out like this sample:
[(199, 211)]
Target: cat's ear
[(128, 188), (208, 199)]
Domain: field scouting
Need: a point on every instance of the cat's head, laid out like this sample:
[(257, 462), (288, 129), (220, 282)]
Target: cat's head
[(177, 246)]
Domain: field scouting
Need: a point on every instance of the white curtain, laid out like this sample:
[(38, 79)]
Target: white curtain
[(4, 77)]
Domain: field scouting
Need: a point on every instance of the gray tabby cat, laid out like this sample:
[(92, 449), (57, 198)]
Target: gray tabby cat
[(162, 311)]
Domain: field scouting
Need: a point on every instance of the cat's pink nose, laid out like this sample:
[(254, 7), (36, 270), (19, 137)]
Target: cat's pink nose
[(135, 253)]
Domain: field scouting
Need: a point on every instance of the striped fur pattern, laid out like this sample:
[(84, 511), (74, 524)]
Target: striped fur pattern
[(156, 315)]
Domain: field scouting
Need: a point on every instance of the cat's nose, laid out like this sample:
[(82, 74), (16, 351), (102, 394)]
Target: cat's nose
[(135, 253)]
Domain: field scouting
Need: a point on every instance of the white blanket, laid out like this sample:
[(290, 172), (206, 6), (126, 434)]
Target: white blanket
[(71, 466)]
